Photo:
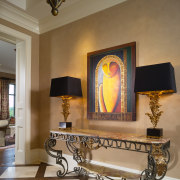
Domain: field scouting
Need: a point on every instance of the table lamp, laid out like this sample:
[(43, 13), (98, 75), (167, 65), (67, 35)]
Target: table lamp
[(153, 81), (65, 88)]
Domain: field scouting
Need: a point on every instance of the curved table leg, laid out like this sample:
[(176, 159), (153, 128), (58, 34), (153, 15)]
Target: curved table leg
[(158, 160), (57, 154)]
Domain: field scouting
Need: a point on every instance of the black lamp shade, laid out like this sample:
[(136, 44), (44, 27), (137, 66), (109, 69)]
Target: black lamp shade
[(65, 86), (158, 77)]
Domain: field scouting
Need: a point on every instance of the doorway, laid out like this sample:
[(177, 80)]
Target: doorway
[(23, 92), (7, 102)]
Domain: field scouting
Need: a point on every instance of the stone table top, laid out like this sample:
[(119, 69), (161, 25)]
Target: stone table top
[(112, 135)]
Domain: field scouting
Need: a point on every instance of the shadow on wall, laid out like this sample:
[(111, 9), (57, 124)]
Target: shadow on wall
[(46, 109), (80, 111), (175, 143), (77, 109), (177, 74), (35, 119), (85, 121), (174, 147)]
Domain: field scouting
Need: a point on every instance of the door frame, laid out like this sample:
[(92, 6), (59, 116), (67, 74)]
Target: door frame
[(19, 36)]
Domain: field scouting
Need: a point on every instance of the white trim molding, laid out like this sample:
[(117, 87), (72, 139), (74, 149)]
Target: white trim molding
[(18, 17), (27, 89), (7, 38), (73, 12), (44, 157), (20, 3)]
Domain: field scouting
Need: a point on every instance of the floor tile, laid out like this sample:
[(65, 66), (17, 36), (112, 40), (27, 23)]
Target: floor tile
[(2, 169), (20, 172), (41, 170)]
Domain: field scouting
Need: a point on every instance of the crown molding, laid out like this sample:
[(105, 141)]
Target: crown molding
[(7, 38), (75, 12), (66, 15), (18, 17), (20, 3)]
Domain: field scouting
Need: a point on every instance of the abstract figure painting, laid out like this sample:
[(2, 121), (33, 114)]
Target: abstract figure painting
[(110, 83), (108, 79)]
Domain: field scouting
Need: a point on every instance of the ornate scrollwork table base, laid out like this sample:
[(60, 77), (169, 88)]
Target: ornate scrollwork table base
[(79, 139)]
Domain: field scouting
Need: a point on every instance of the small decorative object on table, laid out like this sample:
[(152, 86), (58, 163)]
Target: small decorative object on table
[(65, 88), (153, 81)]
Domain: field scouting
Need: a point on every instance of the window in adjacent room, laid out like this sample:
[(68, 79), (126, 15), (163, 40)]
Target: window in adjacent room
[(11, 100)]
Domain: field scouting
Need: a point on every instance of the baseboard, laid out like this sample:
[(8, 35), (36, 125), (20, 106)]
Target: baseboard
[(44, 157), (33, 156)]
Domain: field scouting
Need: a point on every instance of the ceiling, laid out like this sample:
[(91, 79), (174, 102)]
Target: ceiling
[(38, 9), (7, 57), (35, 15)]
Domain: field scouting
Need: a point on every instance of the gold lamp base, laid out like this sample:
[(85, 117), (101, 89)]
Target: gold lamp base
[(155, 114), (65, 107)]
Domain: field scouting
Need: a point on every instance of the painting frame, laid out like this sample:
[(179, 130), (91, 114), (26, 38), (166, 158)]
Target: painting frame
[(124, 58)]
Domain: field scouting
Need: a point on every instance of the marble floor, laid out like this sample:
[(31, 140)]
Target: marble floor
[(42, 171), (39, 172), (8, 171), (20, 172)]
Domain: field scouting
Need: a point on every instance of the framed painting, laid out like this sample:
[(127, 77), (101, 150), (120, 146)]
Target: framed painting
[(110, 83)]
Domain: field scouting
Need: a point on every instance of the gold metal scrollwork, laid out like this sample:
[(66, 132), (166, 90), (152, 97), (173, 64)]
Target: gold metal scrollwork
[(91, 145), (154, 106), (160, 159), (65, 106)]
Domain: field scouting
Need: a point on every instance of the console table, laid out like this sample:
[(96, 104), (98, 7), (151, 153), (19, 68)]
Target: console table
[(79, 139)]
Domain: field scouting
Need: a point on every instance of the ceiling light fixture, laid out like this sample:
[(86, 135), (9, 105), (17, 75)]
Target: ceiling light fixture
[(55, 5)]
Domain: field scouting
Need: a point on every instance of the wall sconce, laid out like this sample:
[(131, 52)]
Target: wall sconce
[(65, 88), (55, 5), (153, 81)]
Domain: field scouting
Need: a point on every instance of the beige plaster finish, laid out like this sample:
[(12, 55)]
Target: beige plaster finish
[(34, 82), (155, 27)]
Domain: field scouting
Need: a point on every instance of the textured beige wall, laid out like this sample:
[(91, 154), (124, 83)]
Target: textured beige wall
[(34, 82), (155, 27)]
